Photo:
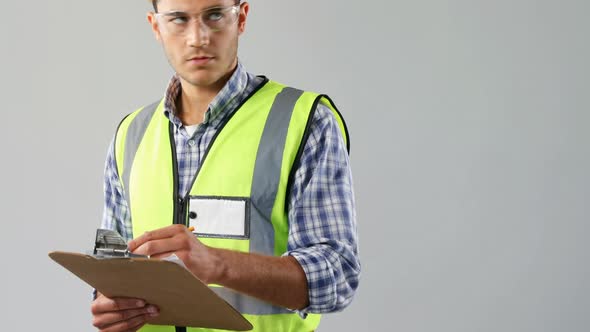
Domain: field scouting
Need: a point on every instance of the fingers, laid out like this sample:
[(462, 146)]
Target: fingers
[(132, 324), (162, 233), (124, 320), (104, 304), (156, 248), (121, 314)]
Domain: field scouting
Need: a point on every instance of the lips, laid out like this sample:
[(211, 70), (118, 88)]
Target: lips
[(200, 60)]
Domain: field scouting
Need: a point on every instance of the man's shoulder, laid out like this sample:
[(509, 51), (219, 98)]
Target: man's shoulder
[(147, 107), (145, 110), (281, 85)]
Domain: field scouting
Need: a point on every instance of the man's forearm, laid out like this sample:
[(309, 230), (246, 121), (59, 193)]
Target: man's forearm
[(278, 280)]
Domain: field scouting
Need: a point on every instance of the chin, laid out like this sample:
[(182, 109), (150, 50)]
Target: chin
[(201, 79), (203, 82)]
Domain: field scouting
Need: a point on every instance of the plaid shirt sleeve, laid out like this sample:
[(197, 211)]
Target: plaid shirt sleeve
[(116, 215), (322, 217)]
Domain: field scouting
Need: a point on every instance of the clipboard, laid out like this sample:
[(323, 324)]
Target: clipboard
[(182, 298)]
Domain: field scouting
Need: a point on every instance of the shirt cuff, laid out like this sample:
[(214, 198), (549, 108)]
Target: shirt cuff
[(321, 285)]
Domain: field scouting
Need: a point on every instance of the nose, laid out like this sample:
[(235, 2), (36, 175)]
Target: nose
[(197, 34)]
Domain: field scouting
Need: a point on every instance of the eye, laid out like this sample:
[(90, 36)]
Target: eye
[(213, 15), (179, 19)]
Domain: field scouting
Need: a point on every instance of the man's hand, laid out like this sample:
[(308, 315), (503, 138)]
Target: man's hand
[(121, 314), (278, 280), (177, 239)]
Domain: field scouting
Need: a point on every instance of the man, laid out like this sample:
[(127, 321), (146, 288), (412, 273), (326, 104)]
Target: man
[(259, 169)]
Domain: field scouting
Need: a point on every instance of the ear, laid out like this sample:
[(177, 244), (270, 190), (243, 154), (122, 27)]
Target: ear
[(243, 15), (151, 17)]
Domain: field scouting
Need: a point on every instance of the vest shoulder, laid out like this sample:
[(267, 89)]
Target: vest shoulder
[(279, 85), (310, 100), (149, 108)]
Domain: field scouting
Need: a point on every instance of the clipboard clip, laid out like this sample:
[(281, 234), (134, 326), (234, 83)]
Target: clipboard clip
[(110, 244)]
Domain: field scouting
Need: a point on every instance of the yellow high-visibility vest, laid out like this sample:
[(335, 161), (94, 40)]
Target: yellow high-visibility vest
[(246, 170)]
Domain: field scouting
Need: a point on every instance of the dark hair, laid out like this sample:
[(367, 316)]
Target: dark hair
[(155, 4)]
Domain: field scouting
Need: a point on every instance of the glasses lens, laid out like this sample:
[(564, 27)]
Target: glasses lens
[(174, 23), (214, 19), (218, 18)]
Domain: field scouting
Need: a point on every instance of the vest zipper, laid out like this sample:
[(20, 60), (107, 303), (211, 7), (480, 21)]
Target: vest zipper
[(179, 203), (181, 218), (179, 213)]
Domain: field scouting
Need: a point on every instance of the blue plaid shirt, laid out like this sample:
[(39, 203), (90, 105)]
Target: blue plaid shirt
[(322, 217)]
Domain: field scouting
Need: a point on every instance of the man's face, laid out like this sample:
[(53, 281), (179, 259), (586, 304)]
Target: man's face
[(201, 56)]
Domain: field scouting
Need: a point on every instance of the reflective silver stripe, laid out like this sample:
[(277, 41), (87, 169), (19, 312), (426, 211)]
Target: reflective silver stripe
[(267, 170), (135, 133), (248, 305), (265, 183)]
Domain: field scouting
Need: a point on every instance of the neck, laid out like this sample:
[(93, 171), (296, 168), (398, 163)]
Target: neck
[(193, 102)]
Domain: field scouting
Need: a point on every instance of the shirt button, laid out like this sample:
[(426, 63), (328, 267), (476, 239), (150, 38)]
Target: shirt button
[(191, 142)]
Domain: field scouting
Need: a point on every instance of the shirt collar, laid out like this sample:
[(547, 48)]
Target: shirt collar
[(218, 106)]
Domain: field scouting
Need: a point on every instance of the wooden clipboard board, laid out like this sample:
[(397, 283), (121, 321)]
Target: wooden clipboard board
[(182, 298)]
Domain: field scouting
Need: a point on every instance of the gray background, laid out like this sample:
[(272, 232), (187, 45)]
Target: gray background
[(470, 126)]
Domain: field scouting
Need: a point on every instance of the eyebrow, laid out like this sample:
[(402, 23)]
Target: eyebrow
[(173, 12), (176, 11)]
